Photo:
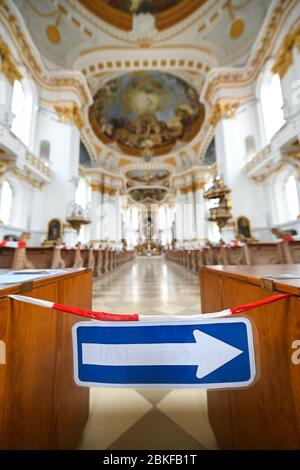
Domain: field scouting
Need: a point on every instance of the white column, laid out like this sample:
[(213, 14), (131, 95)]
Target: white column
[(95, 215), (190, 221), (118, 205), (201, 222), (104, 230), (179, 216)]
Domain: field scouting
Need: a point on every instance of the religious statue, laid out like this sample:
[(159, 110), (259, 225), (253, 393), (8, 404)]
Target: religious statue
[(243, 229), (54, 232)]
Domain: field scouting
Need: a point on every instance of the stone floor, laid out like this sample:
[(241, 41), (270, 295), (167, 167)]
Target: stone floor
[(148, 419)]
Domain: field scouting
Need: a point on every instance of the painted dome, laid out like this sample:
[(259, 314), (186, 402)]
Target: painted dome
[(146, 111)]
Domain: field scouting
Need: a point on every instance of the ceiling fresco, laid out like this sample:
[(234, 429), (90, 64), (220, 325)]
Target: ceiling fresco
[(147, 111), (148, 194), (142, 6), (148, 177), (120, 13)]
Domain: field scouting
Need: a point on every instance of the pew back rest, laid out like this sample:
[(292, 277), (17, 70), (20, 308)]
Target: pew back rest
[(6, 257), (40, 257), (235, 255), (263, 253), (291, 251)]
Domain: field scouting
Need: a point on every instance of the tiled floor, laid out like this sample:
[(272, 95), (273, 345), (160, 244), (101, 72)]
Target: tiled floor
[(148, 419)]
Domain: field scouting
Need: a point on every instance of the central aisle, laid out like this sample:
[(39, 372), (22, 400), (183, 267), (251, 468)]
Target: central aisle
[(148, 419)]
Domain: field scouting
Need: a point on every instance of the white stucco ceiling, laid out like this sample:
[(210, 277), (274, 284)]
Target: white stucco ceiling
[(208, 28)]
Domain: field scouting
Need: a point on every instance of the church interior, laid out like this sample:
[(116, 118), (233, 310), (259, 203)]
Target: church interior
[(149, 165)]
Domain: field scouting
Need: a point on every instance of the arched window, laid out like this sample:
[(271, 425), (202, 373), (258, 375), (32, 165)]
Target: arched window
[(22, 108), (291, 197), (162, 218), (6, 202), (83, 193), (45, 150), (272, 103), (2, 92), (250, 147), (135, 218)]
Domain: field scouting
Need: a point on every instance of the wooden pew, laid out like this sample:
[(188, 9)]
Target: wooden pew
[(41, 257), (6, 257), (215, 254), (266, 415), (100, 261), (291, 251), (57, 261), (41, 407), (232, 255), (98, 270), (263, 253)]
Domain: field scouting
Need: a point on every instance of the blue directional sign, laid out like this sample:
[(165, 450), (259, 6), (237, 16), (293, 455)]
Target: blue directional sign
[(216, 353)]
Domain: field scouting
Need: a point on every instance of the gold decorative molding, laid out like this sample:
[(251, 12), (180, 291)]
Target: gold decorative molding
[(103, 189), (4, 167), (199, 185), (170, 161), (53, 34), (70, 113), (8, 66), (196, 147), (269, 170), (247, 75), (237, 28), (29, 178), (258, 158), (191, 188), (285, 55), (38, 164), (96, 187), (32, 62), (223, 110), (124, 162)]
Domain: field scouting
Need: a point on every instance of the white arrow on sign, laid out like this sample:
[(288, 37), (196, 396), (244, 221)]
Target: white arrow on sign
[(208, 353)]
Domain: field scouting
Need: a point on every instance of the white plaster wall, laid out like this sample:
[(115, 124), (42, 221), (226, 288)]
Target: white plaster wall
[(64, 158), (5, 101), (247, 197)]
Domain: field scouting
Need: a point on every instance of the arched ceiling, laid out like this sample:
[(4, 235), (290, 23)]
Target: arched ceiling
[(146, 63), (65, 30)]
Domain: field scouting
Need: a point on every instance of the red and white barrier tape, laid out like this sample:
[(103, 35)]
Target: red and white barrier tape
[(146, 318), (9, 244)]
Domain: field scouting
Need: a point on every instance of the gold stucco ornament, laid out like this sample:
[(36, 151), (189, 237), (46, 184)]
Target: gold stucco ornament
[(237, 28), (53, 34)]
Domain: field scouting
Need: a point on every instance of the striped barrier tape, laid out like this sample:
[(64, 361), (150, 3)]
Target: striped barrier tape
[(10, 244), (102, 316)]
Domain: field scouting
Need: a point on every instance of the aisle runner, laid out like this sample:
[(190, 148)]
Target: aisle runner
[(203, 351)]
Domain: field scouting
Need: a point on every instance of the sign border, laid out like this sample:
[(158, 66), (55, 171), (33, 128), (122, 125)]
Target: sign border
[(211, 386)]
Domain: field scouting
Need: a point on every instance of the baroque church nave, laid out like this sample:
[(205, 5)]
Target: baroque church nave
[(149, 172)]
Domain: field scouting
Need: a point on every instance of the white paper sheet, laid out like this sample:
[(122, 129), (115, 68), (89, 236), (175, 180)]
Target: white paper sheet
[(25, 275)]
